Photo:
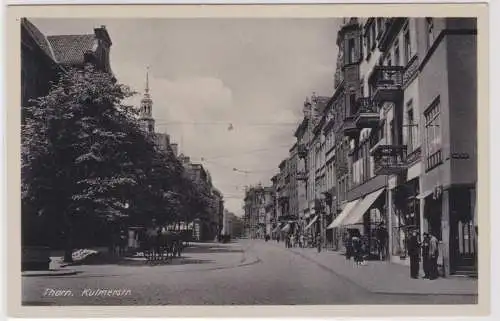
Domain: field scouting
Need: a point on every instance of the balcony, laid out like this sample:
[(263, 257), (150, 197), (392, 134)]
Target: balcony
[(387, 82), (301, 176), (302, 151), (368, 115), (349, 127), (341, 168), (389, 159)]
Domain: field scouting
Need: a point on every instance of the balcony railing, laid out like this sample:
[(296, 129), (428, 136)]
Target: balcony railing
[(302, 150), (389, 159), (302, 176), (387, 82), (349, 127), (368, 114)]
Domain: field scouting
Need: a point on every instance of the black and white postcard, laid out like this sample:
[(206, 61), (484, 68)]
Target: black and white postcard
[(303, 159)]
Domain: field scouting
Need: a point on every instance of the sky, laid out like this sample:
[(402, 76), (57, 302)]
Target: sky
[(206, 74)]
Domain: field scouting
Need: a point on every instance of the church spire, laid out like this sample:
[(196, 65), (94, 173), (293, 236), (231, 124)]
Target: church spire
[(147, 80), (146, 115)]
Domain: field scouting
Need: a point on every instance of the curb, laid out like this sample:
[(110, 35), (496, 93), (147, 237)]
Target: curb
[(48, 273), (465, 293)]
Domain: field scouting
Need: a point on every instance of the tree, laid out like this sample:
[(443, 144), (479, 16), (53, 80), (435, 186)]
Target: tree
[(83, 154)]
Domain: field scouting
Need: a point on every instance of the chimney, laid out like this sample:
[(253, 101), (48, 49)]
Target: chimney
[(175, 148), (102, 34)]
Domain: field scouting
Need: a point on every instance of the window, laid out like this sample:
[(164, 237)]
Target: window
[(352, 53), (389, 60), (368, 44), (407, 44), (392, 133), (373, 35), (379, 26), (412, 128), (352, 102), (433, 134), (429, 22), (396, 53)]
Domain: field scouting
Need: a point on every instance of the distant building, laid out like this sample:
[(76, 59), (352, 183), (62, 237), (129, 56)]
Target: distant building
[(257, 201)]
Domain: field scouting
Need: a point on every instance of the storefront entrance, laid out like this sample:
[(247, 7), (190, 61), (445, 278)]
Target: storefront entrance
[(463, 243)]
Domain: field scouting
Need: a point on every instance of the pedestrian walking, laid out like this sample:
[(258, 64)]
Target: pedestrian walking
[(357, 249), (318, 240), (348, 246), (382, 236), (414, 253), (301, 240), (434, 253), (292, 240), (426, 254)]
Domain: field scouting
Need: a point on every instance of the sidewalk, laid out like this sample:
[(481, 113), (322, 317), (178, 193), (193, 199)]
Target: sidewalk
[(196, 258), (386, 277)]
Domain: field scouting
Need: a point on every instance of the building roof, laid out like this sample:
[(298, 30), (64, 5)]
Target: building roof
[(67, 49), (71, 49), (38, 37)]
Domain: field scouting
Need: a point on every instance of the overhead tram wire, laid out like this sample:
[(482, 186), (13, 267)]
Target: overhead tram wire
[(225, 123)]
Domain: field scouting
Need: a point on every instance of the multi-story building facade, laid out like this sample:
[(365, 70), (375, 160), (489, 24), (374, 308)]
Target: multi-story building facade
[(303, 179), (257, 199), (406, 170), (292, 185)]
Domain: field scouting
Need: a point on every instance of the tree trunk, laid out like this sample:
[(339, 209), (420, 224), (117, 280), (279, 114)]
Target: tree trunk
[(68, 250), (68, 247)]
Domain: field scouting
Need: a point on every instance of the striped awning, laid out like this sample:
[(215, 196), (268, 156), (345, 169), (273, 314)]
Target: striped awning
[(347, 209), (286, 228), (356, 215)]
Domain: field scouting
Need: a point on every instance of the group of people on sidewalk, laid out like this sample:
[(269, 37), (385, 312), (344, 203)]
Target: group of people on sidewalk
[(300, 240), (429, 251)]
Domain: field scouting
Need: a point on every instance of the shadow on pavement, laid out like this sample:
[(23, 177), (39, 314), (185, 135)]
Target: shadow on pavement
[(211, 249)]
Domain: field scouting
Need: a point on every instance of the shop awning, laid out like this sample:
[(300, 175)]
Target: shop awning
[(286, 228), (414, 171), (424, 194), (312, 222), (338, 220), (356, 215)]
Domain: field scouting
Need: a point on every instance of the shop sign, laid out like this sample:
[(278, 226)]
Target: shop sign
[(460, 155)]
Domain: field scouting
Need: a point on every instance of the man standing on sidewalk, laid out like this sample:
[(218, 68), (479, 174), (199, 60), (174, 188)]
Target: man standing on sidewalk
[(413, 252), (434, 252), (426, 254)]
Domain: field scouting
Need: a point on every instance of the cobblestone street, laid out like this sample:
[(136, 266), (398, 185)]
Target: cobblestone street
[(244, 273)]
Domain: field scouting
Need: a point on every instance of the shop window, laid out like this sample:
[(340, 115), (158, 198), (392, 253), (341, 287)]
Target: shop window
[(433, 134)]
